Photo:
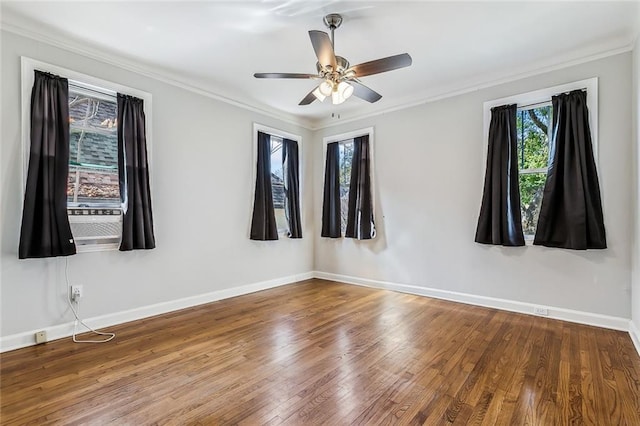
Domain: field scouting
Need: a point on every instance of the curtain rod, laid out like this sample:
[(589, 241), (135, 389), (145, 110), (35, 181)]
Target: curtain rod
[(534, 104)]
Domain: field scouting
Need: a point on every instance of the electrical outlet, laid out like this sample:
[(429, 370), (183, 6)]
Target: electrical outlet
[(539, 310), (76, 293), (41, 337)]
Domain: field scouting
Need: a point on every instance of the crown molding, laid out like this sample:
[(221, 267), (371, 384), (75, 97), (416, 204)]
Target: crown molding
[(458, 89), (468, 87), (56, 40)]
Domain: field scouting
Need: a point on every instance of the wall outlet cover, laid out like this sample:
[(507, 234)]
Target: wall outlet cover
[(41, 337), (540, 310)]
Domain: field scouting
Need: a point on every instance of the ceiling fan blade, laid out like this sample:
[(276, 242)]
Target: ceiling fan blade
[(323, 48), (363, 92), (283, 75), (382, 65), (308, 99)]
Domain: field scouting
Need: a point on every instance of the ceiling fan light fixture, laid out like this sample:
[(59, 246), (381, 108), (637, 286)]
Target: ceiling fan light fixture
[(337, 98), (318, 94), (326, 88), (345, 89)]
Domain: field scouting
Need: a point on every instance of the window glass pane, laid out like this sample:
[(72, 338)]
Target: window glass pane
[(93, 160), (531, 188), (346, 156), (533, 137), (533, 155), (277, 183)]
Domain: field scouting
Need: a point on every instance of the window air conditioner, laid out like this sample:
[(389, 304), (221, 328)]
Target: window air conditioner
[(95, 226)]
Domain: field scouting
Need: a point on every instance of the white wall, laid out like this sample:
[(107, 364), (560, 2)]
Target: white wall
[(429, 172), (635, 290), (202, 193)]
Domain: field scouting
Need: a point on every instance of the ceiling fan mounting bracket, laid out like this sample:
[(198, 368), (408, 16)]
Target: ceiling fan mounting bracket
[(333, 21)]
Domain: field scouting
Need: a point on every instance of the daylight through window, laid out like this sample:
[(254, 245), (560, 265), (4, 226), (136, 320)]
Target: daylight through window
[(277, 183), (533, 126), (93, 158), (346, 156), (93, 188)]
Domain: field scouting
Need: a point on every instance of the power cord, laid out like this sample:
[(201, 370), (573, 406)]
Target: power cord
[(76, 314)]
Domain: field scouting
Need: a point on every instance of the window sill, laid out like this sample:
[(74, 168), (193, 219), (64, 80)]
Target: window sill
[(90, 248)]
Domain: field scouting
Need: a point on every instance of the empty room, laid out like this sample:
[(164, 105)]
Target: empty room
[(320, 212)]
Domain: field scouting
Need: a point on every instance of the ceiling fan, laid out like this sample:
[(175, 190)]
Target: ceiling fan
[(339, 80)]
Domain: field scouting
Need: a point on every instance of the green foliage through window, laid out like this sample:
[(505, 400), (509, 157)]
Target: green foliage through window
[(346, 156), (533, 155)]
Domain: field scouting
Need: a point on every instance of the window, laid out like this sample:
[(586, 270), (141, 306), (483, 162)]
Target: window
[(277, 183), (534, 121), (93, 190), (93, 158), (286, 201), (339, 152), (534, 126), (346, 155)]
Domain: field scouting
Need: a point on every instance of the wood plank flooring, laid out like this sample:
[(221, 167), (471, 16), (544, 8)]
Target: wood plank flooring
[(326, 353)]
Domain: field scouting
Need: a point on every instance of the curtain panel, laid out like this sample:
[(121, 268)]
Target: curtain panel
[(500, 220), (571, 212), (291, 187), (331, 219), (45, 229), (263, 222), (133, 170), (360, 224)]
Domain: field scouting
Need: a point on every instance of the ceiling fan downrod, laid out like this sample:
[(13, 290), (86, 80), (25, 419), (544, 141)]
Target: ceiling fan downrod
[(333, 22)]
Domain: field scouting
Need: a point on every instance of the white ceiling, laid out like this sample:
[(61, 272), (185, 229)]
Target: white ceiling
[(217, 46)]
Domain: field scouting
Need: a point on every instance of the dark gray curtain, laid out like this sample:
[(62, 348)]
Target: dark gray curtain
[(263, 222), (291, 187), (360, 223), (133, 170), (571, 211), (500, 220), (45, 230), (331, 219)]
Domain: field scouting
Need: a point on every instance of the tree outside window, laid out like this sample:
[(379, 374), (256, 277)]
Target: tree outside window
[(346, 156), (533, 156)]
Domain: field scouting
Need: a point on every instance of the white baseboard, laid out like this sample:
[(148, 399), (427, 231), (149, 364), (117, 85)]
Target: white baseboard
[(588, 318), (635, 335), (21, 340)]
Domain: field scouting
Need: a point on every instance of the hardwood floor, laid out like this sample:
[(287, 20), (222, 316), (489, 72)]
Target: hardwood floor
[(326, 353)]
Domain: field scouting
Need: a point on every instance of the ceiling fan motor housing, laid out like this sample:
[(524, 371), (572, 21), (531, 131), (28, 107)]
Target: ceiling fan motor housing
[(341, 66)]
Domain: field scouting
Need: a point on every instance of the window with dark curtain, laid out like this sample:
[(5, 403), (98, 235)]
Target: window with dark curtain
[(45, 230), (133, 169), (571, 212), (263, 222), (500, 221), (292, 187), (360, 224), (331, 219)]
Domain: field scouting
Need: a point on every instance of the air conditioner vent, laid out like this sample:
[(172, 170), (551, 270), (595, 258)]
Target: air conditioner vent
[(95, 226)]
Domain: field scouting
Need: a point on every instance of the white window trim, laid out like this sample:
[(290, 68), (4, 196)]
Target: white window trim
[(28, 66), (257, 127), (544, 95), (350, 135), (540, 96)]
